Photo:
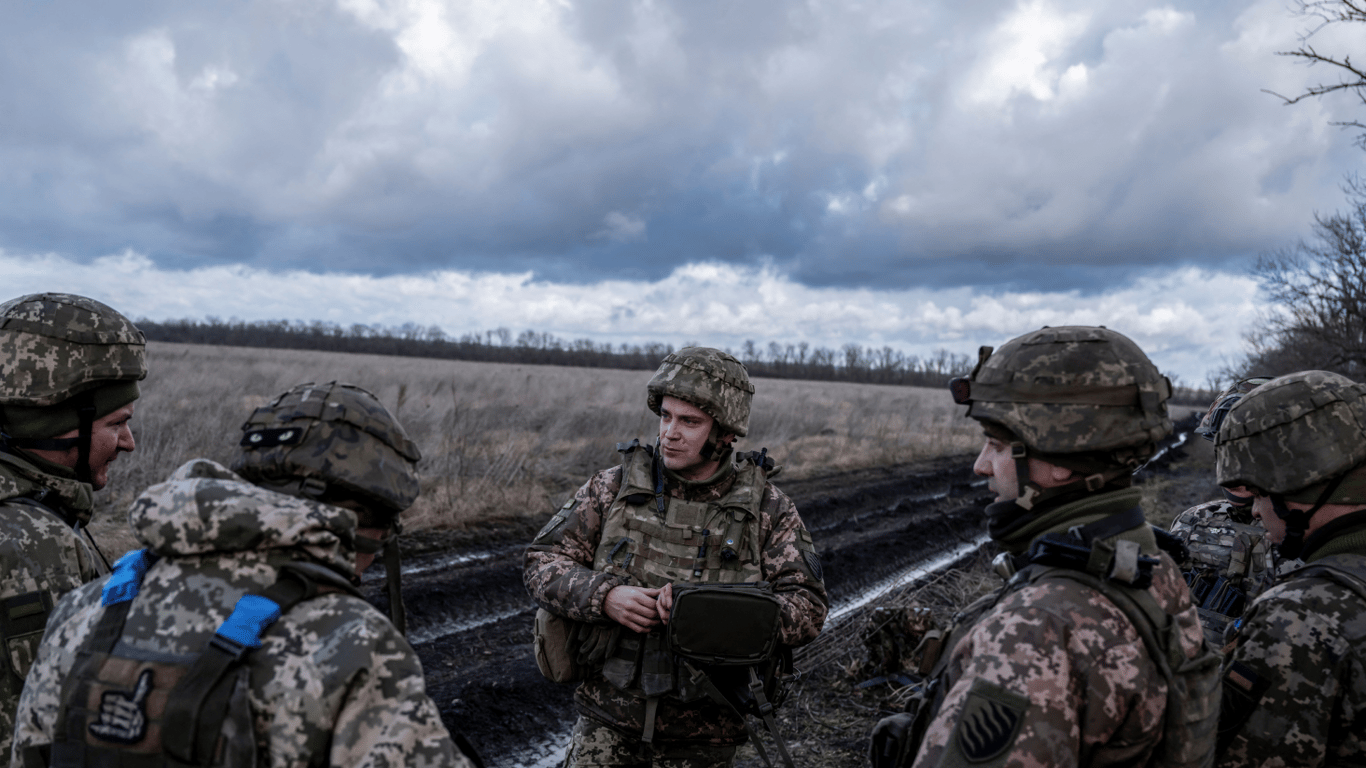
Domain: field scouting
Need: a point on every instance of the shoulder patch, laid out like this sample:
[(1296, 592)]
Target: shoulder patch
[(989, 723), (557, 519)]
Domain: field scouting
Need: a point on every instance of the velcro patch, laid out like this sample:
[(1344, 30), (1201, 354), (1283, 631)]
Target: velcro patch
[(989, 723), (813, 564), (269, 438), (123, 716), (556, 520)]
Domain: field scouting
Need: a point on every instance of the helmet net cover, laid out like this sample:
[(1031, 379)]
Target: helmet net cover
[(1293, 432), (54, 346), (337, 438), (1075, 390), (709, 379)]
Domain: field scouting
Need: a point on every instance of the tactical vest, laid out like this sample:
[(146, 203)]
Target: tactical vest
[(122, 707), (1122, 575), (1229, 565), (651, 540)]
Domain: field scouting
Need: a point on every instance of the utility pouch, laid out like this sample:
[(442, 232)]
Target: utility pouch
[(556, 654), (724, 624)]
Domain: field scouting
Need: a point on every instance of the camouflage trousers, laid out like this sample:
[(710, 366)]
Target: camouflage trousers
[(595, 744)]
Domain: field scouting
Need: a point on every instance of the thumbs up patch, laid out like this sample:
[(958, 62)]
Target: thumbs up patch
[(123, 716)]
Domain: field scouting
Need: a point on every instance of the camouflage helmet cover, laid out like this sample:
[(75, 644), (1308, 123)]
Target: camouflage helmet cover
[(709, 379), (1209, 423), (1073, 390), (57, 345), (335, 438), (1293, 432)]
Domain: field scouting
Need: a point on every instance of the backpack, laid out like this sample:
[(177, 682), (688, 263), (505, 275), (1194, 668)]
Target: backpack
[(134, 709)]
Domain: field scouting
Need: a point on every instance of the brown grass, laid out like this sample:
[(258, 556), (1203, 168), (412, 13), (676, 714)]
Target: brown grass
[(503, 440)]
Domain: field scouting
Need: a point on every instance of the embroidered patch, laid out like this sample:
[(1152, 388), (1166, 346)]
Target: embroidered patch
[(813, 563), (123, 717), (990, 721), (556, 520)]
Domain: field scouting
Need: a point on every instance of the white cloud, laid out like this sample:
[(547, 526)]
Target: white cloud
[(1189, 321)]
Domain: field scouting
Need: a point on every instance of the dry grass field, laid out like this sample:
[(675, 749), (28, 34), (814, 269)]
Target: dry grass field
[(501, 440)]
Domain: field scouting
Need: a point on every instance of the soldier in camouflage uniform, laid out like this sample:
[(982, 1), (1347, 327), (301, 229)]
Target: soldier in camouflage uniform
[(1050, 671), (1295, 681), (1230, 562), (689, 510), (69, 372), (196, 651)]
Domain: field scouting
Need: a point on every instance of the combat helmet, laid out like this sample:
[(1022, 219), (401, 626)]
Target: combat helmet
[(1209, 423), (1297, 439), (709, 379), (66, 361), (331, 442), (1086, 398)]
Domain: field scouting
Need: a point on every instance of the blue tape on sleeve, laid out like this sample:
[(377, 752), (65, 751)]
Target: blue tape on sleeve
[(250, 618), (126, 577)]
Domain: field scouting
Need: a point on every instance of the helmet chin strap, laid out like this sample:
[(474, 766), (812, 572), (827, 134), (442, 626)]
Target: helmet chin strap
[(713, 447), (1031, 494), (1297, 520)]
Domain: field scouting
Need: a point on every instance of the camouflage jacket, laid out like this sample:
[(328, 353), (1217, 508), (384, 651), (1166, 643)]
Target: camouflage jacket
[(559, 575), (1304, 642), (1230, 563), (333, 682), (43, 558), (1068, 662)]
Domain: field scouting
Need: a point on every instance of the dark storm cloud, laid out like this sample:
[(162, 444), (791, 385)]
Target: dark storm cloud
[(1025, 145)]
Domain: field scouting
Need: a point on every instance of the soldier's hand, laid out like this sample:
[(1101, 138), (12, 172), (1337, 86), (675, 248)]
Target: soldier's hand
[(665, 603), (632, 607)]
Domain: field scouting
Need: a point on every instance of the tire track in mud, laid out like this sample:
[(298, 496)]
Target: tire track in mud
[(470, 618)]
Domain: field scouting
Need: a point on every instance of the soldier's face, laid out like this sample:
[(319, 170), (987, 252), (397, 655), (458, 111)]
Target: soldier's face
[(109, 436), (683, 430), (997, 465)]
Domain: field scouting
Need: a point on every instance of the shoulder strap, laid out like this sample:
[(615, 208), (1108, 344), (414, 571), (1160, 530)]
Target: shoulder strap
[(198, 705)]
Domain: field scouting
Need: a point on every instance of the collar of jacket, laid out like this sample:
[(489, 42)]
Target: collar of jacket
[(1088, 509), (205, 508), (61, 492), (716, 484), (1344, 536)]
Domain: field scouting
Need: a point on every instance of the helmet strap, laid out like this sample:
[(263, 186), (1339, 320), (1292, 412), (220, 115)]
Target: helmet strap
[(1028, 493), (1241, 502), (86, 413), (1297, 521)]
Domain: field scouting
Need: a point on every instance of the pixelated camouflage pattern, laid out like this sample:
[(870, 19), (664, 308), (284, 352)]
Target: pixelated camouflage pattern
[(1306, 637), (709, 379), (1224, 541), (593, 745), (351, 442), (55, 345), (1293, 432), (1214, 417), (333, 682), (558, 575), (39, 552), (1075, 389), (1095, 696)]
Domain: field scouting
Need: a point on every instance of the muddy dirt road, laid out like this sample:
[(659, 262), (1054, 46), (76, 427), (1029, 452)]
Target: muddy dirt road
[(470, 618)]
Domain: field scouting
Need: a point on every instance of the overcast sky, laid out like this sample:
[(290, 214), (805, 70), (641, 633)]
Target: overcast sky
[(916, 174)]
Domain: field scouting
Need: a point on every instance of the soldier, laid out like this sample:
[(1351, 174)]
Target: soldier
[(69, 373), (688, 510), (1295, 682), (1070, 663), (236, 637), (1230, 563)]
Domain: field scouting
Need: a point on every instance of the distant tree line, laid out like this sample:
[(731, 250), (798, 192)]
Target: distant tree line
[(850, 362)]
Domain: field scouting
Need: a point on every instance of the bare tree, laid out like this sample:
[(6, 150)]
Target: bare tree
[(1319, 289), (1351, 77)]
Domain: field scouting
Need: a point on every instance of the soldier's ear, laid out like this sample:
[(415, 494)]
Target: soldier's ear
[(726, 438), (1058, 474)]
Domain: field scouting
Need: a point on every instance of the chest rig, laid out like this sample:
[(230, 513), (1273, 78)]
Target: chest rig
[(123, 707), (653, 539), (1229, 565)]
